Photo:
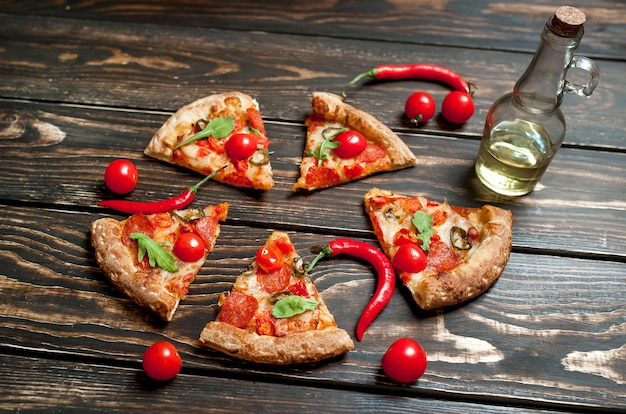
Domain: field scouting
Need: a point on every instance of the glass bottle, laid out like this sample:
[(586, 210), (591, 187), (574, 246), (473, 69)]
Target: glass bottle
[(525, 128)]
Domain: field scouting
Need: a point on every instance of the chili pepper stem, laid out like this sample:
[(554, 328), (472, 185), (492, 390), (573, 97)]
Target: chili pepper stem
[(194, 188), (370, 73), (324, 253)]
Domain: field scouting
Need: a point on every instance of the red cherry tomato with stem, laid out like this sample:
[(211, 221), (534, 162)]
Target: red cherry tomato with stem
[(161, 361), (409, 258), (457, 107), (189, 247), (270, 258), (241, 146), (121, 176), (351, 144), (405, 361), (419, 107)]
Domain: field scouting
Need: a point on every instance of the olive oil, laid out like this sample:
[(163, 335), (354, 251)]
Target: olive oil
[(525, 128), (512, 160)]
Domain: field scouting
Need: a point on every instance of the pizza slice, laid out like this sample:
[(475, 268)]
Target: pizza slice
[(153, 258), (274, 314), (218, 130), (344, 144), (444, 255)]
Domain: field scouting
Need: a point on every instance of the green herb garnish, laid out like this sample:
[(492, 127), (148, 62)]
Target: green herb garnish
[(218, 128), (423, 222), (157, 255), (293, 305), (328, 134)]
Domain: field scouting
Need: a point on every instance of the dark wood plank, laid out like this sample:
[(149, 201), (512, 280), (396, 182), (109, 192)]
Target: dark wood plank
[(581, 187), (33, 384), (160, 68), (551, 329), (481, 24)]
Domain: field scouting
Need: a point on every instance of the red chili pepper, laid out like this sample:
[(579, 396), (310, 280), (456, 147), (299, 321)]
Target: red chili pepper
[(175, 203), (382, 265), (414, 71)]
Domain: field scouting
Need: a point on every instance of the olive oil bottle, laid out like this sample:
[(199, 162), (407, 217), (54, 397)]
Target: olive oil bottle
[(525, 128)]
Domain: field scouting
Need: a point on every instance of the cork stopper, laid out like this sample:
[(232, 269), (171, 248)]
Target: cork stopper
[(568, 21)]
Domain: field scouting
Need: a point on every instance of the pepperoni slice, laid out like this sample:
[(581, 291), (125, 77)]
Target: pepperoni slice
[(238, 309), (442, 257), (274, 281), (238, 179), (264, 323), (299, 288), (371, 154), (206, 228), (321, 177), (162, 220), (353, 171), (255, 120), (284, 245), (439, 216), (137, 223)]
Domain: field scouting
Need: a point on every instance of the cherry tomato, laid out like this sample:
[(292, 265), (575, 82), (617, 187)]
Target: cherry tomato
[(121, 176), (161, 361), (270, 258), (405, 361), (457, 107), (419, 107), (409, 258), (189, 247), (241, 146), (351, 144)]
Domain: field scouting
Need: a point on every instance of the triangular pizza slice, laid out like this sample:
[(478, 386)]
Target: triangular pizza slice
[(153, 258), (344, 144), (445, 255), (274, 314), (215, 131)]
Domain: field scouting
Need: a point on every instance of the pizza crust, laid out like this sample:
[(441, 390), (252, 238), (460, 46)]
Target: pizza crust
[(118, 264), (300, 347), (475, 276)]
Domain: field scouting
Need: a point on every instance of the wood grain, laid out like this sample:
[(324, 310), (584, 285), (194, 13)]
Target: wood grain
[(161, 69), (546, 312), (85, 82), (507, 25)]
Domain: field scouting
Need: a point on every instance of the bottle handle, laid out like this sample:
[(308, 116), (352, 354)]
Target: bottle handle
[(588, 65)]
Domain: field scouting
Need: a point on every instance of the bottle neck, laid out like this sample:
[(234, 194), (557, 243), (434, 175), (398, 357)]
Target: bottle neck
[(540, 89)]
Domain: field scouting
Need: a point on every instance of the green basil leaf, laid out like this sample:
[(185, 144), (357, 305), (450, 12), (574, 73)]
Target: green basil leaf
[(221, 127), (218, 128), (423, 222), (293, 305), (157, 255), (329, 134)]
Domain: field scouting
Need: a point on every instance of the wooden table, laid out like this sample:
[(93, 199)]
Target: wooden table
[(85, 82)]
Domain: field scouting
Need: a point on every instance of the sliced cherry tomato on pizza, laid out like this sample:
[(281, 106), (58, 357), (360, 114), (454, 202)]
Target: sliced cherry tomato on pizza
[(189, 247), (405, 361), (419, 107), (270, 258), (241, 146), (121, 176), (409, 258), (161, 361), (457, 107), (351, 144)]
